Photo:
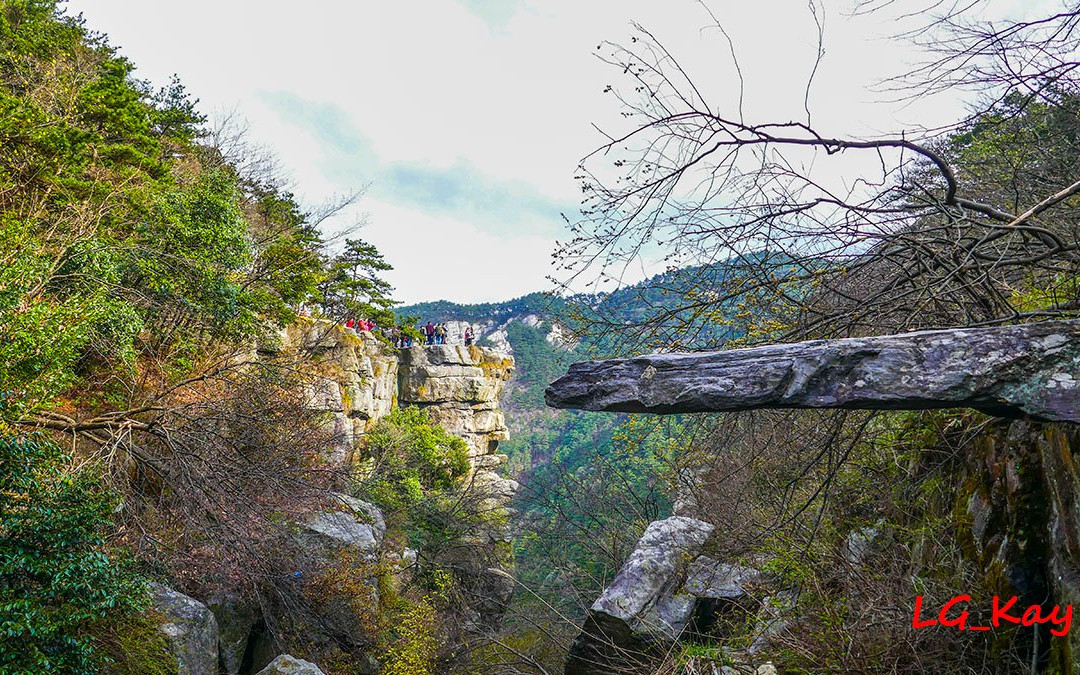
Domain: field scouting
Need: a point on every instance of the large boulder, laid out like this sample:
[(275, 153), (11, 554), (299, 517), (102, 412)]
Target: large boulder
[(190, 629), (645, 606), (666, 591), (1010, 371), (290, 665), (357, 525)]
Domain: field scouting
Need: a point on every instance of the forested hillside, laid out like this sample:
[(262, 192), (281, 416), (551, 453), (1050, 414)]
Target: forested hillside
[(171, 419)]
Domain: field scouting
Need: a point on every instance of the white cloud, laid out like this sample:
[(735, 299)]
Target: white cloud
[(437, 257), (508, 89)]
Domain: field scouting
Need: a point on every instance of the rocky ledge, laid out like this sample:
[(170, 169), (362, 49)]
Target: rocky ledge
[(1010, 371)]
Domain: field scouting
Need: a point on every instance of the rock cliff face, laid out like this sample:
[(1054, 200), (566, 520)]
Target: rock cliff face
[(354, 380), (459, 387), (361, 380), (1020, 500)]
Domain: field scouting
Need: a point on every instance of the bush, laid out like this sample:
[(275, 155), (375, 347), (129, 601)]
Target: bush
[(57, 576), (414, 649), (413, 459)]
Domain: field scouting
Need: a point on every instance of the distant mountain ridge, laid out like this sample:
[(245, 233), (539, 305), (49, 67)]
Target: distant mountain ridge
[(658, 301), (541, 331)]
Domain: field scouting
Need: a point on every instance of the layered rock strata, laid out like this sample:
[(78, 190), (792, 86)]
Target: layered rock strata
[(359, 380), (459, 387)]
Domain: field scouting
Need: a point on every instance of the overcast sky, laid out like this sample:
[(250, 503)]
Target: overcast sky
[(467, 117)]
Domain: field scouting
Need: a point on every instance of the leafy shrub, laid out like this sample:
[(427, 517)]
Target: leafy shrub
[(413, 458), (57, 577), (414, 648), (134, 644)]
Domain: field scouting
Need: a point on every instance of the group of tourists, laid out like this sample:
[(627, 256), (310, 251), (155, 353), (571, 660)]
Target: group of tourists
[(361, 325), (431, 333), (435, 333)]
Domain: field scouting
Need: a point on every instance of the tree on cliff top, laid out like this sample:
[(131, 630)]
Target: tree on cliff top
[(352, 286)]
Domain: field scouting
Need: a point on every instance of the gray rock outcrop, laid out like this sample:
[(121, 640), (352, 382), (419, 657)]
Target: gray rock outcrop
[(645, 606), (360, 380), (644, 595), (1009, 371), (357, 525), (354, 384), (666, 591), (290, 665), (190, 629), (459, 387)]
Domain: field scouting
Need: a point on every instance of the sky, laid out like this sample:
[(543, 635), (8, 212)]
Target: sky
[(464, 120)]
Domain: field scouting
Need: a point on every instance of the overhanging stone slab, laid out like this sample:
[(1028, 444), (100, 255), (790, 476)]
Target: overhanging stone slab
[(1010, 371)]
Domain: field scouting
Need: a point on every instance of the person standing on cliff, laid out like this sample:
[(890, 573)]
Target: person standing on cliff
[(468, 336), (429, 331)]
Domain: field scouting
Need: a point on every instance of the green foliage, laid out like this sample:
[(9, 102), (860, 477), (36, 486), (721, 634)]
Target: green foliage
[(352, 286), (130, 250), (414, 642), (134, 644), (57, 576), (586, 501), (121, 235), (288, 262), (413, 459), (197, 250)]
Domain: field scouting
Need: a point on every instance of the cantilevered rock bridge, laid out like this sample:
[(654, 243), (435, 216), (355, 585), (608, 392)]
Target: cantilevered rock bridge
[(1030, 370)]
